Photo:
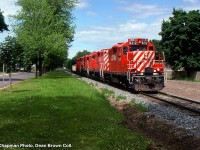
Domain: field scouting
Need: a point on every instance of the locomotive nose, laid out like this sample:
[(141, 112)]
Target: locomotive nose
[(149, 80), (146, 56), (148, 71)]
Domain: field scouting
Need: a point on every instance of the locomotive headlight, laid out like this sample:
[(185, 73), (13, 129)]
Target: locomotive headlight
[(132, 42), (140, 73), (158, 69), (144, 42)]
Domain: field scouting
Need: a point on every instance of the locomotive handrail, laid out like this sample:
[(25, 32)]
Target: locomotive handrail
[(130, 66), (160, 61), (129, 76)]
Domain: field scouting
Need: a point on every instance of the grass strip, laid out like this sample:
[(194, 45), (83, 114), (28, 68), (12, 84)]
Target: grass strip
[(60, 109)]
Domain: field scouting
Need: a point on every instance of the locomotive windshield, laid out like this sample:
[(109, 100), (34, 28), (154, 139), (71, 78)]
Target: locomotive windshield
[(138, 48), (160, 56)]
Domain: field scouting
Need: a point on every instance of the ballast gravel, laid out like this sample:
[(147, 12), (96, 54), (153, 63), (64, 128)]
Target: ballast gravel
[(180, 119)]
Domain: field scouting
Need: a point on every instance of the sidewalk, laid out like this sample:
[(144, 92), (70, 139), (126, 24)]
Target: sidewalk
[(6, 74)]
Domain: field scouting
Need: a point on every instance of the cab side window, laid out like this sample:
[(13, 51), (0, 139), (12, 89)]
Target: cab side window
[(114, 50), (151, 48), (125, 49), (93, 57), (99, 57)]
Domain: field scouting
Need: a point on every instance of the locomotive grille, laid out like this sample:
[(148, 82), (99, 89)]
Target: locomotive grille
[(148, 71)]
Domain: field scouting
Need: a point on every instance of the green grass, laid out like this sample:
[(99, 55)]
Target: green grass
[(139, 106), (60, 109), (120, 97), (107, 92)]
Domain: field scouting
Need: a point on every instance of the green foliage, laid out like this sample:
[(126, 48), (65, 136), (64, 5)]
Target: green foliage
[(45, 29), (189, 79), (139, 106), (11, 53), (3, 25), (58, 109), (158, 45), (68, 63), (72, 61), (181, 39), (81, 53)]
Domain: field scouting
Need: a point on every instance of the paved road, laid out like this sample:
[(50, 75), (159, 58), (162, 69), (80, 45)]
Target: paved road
[(16, 77)]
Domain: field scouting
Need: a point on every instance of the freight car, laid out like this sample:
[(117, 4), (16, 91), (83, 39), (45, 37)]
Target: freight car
[(135, 64)]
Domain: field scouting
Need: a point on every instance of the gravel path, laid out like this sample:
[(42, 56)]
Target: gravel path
[(175, 116), (185, 89)]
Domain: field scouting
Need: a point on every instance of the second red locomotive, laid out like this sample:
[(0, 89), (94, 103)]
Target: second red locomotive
[(134, 64)]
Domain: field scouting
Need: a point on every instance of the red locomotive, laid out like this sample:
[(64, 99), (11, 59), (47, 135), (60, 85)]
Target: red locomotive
[(134, 64)]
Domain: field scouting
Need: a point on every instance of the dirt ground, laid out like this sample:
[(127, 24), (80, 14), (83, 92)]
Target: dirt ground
[(182, 88), (164, 135)]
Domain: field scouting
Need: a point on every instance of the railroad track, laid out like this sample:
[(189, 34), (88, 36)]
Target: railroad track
[(182, 103)]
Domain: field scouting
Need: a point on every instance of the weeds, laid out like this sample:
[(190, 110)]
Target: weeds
[(107, 92), (187, 79), (120, 97), (139, 106), (92, 84)]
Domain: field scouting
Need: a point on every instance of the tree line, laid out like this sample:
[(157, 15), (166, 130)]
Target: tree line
[(180, 40), (44, 30)]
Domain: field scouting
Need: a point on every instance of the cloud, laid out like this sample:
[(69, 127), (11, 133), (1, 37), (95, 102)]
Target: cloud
[(190, 8), (93, 13), (8, 7), (118, 32), (82, 4), (145, 10), (191, 1), (121, 1), (100, 37), (194, 5)]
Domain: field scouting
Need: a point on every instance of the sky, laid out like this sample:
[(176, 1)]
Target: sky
[(103, 23)]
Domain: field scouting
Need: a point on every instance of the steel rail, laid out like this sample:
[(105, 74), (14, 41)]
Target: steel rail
[(170, 101), (185, 99), (183, 104)]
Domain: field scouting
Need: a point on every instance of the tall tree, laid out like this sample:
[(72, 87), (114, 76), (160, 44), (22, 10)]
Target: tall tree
[(45, 29), (181, 40), (3, 25), (9, 55), (70, 62), (157, 43), (9, 52), (80, 54)]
